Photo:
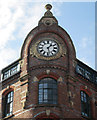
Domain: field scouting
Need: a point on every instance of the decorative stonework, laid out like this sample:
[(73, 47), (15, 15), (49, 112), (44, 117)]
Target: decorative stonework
[(35, 79), (24, 95), (48, 7), (74, 95), (48, 72), (23, 103), (48, 19), (74, 63), (86, 87), (21, 62), (8, 86), (69, 93), (60, 79), (71, 103), (34, 52), (24, 77), (48, 112)]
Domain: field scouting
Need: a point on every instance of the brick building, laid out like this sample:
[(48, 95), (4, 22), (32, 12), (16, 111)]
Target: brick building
[(48, 81)]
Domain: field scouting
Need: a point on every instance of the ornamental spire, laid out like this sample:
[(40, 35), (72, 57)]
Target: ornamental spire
[(48, 12), (48, 7), (48, 19)]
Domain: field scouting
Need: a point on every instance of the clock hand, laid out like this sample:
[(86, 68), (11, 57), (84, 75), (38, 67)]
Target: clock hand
[(51, 48), (45, 47)]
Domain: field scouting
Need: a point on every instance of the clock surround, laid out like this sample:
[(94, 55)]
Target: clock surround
[(60, 51), (48, 48)]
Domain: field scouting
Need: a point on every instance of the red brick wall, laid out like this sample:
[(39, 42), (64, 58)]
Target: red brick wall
[(62, 69)]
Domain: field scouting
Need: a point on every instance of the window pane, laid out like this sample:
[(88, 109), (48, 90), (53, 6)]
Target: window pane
[(10, 109), (8, 114), (40, 91), (54, 97), (12, 93), (40, 85), (45, 101), (80, 70), (85, 100), (8, 95), (40, 96), (8, 100), (54, 86), (85, 104), (81, 93), (82, 96), (50, 85), (54, 92), (11, 99), (8, 104), (40, 99), (11, 104), (45, 85), (54, 102), (48, 91), (45, 96), (45, 91)]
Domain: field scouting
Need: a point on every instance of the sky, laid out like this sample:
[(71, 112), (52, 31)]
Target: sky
[(19, 17)]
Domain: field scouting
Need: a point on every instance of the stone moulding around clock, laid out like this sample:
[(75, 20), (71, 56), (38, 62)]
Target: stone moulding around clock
[(34, 52)]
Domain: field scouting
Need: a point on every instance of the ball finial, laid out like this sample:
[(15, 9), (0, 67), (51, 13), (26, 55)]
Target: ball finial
[(48, 7)]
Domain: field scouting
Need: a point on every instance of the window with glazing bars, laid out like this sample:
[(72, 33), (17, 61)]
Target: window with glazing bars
[(85, 104), (8, 104), (47, 91)]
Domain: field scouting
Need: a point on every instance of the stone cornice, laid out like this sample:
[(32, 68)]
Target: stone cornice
[(48, 66)]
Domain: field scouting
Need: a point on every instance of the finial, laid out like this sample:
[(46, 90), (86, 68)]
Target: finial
[(48, 7)]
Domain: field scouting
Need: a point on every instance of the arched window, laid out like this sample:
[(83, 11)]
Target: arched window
[(47, 91), (85, 104), (8, 104)]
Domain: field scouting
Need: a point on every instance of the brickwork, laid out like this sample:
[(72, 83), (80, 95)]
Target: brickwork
[(62, 69)]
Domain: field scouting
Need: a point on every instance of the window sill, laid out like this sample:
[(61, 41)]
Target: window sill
[(5, 118), (85, 117)]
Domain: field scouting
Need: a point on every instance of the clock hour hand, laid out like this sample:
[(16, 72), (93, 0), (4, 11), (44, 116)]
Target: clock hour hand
[(46, 48), (51, 48)]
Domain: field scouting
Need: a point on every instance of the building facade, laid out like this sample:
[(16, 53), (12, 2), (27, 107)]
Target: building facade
[(48, 81)]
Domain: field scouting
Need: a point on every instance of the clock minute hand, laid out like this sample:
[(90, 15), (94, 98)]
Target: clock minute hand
[(48, 46), (45, 48), (51, 48)]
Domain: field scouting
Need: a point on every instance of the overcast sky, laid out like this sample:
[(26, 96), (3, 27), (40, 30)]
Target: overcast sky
[(19, 17)]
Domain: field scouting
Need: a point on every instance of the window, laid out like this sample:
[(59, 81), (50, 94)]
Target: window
[(48, 91), (13, 70), (6, 74), (85, 104), (96, 80), (87, 74), (8, 104), (80, 70)]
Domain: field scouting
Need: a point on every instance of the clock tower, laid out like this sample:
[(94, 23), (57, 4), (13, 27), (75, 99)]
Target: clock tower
[(48, 60), (48, 82)]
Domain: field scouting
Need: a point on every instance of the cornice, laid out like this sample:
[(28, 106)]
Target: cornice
[(48, 66)]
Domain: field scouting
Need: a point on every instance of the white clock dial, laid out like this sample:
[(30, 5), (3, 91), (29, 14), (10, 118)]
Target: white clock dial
[(48, 48)]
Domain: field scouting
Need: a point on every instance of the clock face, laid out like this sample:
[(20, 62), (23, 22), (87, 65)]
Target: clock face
[(48, 48)]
